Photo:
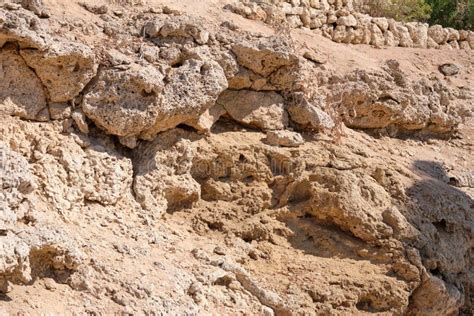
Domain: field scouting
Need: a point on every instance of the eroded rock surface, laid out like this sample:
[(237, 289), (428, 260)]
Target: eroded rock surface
[(155, 162)]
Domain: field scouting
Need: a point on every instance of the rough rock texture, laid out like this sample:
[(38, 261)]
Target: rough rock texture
[(382, 99), (162, 180), (21, 92), (263, 110), (284, 138), (155, 162), (343, 23), (73, 63)]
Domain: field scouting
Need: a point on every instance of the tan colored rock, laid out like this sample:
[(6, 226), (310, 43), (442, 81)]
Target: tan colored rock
[(382, 23), (22, 28), (419, 34), (402, 34), (191, 89), (309, 115), (162, 180), (453, 35), (36, 6), (378, 39), (284, 138), (349, 20), (125, 102), (340, 33), (264, 56), (137, 102), (64, 69), (263, 110), (205, 122), (21, 92), (438, 34), (436, 297)]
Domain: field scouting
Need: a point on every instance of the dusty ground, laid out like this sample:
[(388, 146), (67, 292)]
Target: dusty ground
[(367, 222)]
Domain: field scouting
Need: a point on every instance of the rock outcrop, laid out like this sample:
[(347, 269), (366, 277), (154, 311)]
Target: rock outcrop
[(155, 162)]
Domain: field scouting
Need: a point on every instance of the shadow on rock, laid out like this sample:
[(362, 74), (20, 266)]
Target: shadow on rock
[(444, 216)]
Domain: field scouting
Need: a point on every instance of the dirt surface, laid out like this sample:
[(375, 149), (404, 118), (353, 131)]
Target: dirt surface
[(178, 158)]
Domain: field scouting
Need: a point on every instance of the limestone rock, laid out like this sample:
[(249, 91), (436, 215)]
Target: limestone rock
[(284, 138), (436, 297), (264, 56), (162, 180), (23, 28), (191, 89), (36, 6), (309, 115), (204, 123), (419, 34), (21, 92), (64, 69), (438, 34), (349, 20), (449, 69), (125, 102), (263, 110)]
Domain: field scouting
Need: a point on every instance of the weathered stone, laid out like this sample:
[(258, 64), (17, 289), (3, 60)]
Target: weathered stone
[(162, 180), (449, 69), (21, 92), (64, 69), (263, 110), (203, 123), (438, 34), (265, 55), (349, 20), (382, 23), (309, 115), (191, 89), (125, 102), (137, 101), (378, 39), (419, 34), (284, 138)]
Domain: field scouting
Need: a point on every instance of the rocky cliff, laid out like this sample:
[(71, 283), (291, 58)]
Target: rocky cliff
[(233, 157)]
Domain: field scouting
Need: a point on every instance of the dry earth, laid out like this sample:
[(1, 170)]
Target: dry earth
[(176, 158)]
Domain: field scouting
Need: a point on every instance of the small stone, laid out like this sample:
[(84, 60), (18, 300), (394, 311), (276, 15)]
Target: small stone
[(449, 69), (315, 57), (219, 250), (284, 138)]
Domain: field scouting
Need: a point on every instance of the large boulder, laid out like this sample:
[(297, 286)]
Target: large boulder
[(125, 102), (136, 102), (191, 89)]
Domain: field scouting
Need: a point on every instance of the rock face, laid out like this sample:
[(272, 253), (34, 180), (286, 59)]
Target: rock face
[(21, 92), (163, 181), (72, 63), (154, 162), (380, 100), (263, 110), (27, 252), (137, 102)]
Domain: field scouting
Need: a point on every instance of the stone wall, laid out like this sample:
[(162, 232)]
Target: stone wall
[(341, 21)]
